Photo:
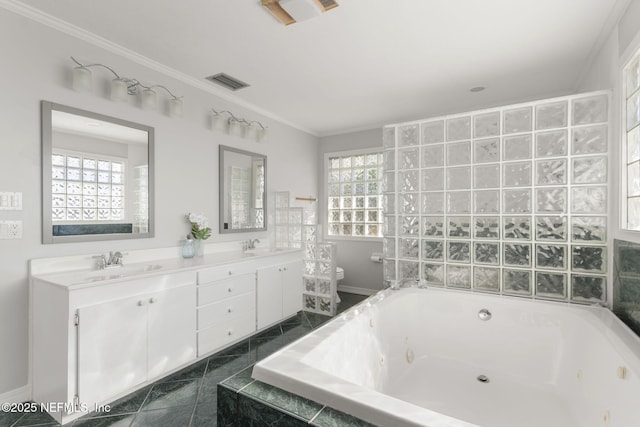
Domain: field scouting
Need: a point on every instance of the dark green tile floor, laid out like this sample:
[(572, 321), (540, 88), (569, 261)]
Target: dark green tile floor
[(189, 397)]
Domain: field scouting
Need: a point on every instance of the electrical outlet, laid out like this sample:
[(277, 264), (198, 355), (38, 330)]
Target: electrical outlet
[(15, 230), (10, 229)]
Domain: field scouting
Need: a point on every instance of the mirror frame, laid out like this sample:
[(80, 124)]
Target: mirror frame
[(91, 234), (221, 196)]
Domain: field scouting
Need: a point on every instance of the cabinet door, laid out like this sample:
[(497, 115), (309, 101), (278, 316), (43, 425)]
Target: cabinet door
[(269, 295), (171, 329), (112, 348), (291, 288)]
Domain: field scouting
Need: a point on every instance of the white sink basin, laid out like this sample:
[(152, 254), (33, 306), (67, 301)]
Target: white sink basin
[(260, 252), (116, 273)]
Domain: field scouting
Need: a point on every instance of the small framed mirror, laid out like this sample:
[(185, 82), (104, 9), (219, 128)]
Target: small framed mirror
[(243, 183), (97, 176)]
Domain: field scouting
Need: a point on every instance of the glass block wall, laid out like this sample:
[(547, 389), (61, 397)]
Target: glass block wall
[(510, 201), (297, 228)]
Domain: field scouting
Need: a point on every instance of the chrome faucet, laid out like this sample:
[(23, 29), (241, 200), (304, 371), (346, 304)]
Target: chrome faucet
[(114, 260), (251, 243)]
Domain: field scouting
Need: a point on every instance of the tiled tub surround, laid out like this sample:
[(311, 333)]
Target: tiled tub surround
[(511, 200), (413, 357), (626, 287)]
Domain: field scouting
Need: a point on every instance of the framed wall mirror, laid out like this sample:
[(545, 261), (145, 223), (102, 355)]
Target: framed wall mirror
[(243, 183), (97, 176)]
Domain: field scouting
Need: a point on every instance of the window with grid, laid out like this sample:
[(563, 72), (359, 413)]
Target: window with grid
[(86, 188), (631, 117), (354, 202)]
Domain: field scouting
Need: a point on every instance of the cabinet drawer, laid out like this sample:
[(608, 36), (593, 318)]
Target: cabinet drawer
[(215, 337), (225, 272), (225, 311), (217, 291)]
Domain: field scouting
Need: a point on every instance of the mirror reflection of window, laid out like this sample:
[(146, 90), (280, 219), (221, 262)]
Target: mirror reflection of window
[(86, 187), (240, 196), (97, 176), (242, 190)]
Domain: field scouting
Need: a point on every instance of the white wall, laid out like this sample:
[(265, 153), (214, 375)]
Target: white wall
[(353, 255), (35, 67), (605, 73)]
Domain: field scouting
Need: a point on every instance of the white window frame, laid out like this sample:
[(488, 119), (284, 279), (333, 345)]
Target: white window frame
[(364, 151), (632, 54)]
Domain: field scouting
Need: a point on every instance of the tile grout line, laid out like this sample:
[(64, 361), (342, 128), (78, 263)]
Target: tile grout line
[(317, 414)]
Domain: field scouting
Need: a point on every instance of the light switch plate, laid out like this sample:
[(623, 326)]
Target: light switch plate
[(10, 201)]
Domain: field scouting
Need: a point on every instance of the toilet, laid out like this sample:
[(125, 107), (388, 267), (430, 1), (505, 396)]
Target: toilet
[(339, 277)]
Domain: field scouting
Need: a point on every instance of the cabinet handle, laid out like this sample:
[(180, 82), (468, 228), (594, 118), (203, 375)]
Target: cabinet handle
[(140, 303), (279, 269), (230, 289), (285, 269), (229, 310), (229, 333), (230, 273), (152, 300)]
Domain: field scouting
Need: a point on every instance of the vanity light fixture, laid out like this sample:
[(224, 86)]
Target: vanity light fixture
[(289, 12), (228, 122), (122, 87)]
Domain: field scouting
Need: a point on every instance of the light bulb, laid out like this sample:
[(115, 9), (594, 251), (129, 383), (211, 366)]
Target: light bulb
[(218, 122), (82, 79), (119, 90), (149, 99), (233, 127), (261, 134), (175, 107)]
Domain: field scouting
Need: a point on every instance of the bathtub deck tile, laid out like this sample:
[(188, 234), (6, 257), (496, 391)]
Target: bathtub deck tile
[(289, 402), (329, 417), (252, 412), (227, 406), (241, 379)]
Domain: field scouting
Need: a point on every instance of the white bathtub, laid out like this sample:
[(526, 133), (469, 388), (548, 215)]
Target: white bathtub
[(413, 357)]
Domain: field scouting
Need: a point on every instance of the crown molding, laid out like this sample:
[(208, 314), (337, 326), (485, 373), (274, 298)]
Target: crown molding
[(101, 42)]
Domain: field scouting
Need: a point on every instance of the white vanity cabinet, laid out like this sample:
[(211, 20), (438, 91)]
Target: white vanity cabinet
[(279, 291), (100, 334), (226, 305), (92, 343)]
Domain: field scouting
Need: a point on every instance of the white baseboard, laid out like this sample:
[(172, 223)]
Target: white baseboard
[(18, 395), (358, 291)]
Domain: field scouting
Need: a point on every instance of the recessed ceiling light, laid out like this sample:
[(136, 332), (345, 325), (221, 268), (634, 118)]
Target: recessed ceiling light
[(477, 89)]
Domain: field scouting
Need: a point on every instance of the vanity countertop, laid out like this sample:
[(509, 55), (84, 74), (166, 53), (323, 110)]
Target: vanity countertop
[(83, 278)]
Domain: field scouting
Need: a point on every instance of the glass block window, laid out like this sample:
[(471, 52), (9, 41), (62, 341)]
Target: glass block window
[(355, 186), (87, 188), (631, 118)]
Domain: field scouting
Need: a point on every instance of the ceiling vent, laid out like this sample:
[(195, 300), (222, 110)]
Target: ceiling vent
[(227, 81)]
